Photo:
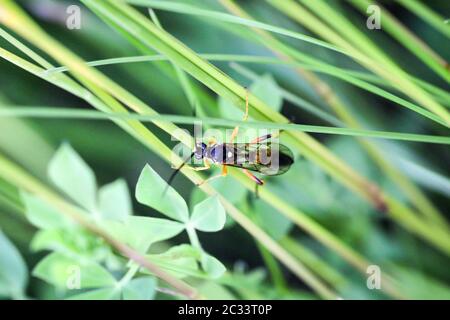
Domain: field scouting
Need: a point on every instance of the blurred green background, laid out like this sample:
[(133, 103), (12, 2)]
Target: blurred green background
[(421, 270)]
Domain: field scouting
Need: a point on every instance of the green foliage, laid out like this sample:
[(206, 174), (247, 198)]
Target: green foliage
[(13, 270), (42, 215), (421, 286), (73, 242), (114, 201), (320, 222), (278, 227), (208, 215), (141, 232), (212, 267), (80, 260), (71, 174), (143, 288), (98, 294), (264, 88), (182, 260), (58, 270), (150, 191)]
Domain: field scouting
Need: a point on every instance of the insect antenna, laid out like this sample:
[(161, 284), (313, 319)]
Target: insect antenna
[(173, 175)]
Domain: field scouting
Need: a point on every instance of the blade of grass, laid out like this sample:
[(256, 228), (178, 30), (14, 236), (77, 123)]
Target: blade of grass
[(186, 8), (292, 98), (67, 113), (203, 187), (274, 268), (389, 70), (312, 260), (26, 27), (408, 39), (349, 255), (272, 265), (22, 180), (223, 85), (441, 95), (402, 83), (183, 78), (428, 15), (413, 193)]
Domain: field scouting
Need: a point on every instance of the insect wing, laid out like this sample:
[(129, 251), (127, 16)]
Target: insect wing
[(269, 158)]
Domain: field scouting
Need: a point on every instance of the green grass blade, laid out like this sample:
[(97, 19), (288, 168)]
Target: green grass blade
[(371, 57), (348, 76), (188, 9), (89, 76), (428, 15), (62, 113), (292, 98), (435, 108), (326, 92), (409, 40)]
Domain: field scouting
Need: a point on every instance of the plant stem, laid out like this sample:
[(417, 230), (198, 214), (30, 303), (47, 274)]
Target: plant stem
[(403, 35), (334, 101), (102, 87), (309, 257), (134, 268), (301, 15), (389, 70), (68, 113), (428, 15), (22, 180)]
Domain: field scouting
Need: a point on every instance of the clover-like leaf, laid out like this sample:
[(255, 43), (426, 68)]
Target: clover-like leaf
[(151, 191), (143, 288), (114, 201), (13, 270), (209, 215), (51, 239), (179, 261), (71, 174), (62, 271), (230, 190), (184, 260), (212, 266), (41, 215), (75, 242), (141, 232)]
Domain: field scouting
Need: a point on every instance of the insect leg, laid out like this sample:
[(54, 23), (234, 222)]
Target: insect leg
[(266, 137), (222, 174), (236, 129), (253, 177), (262, 138)]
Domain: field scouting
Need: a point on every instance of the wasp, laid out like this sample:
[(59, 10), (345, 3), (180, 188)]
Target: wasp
[(258, 156)]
